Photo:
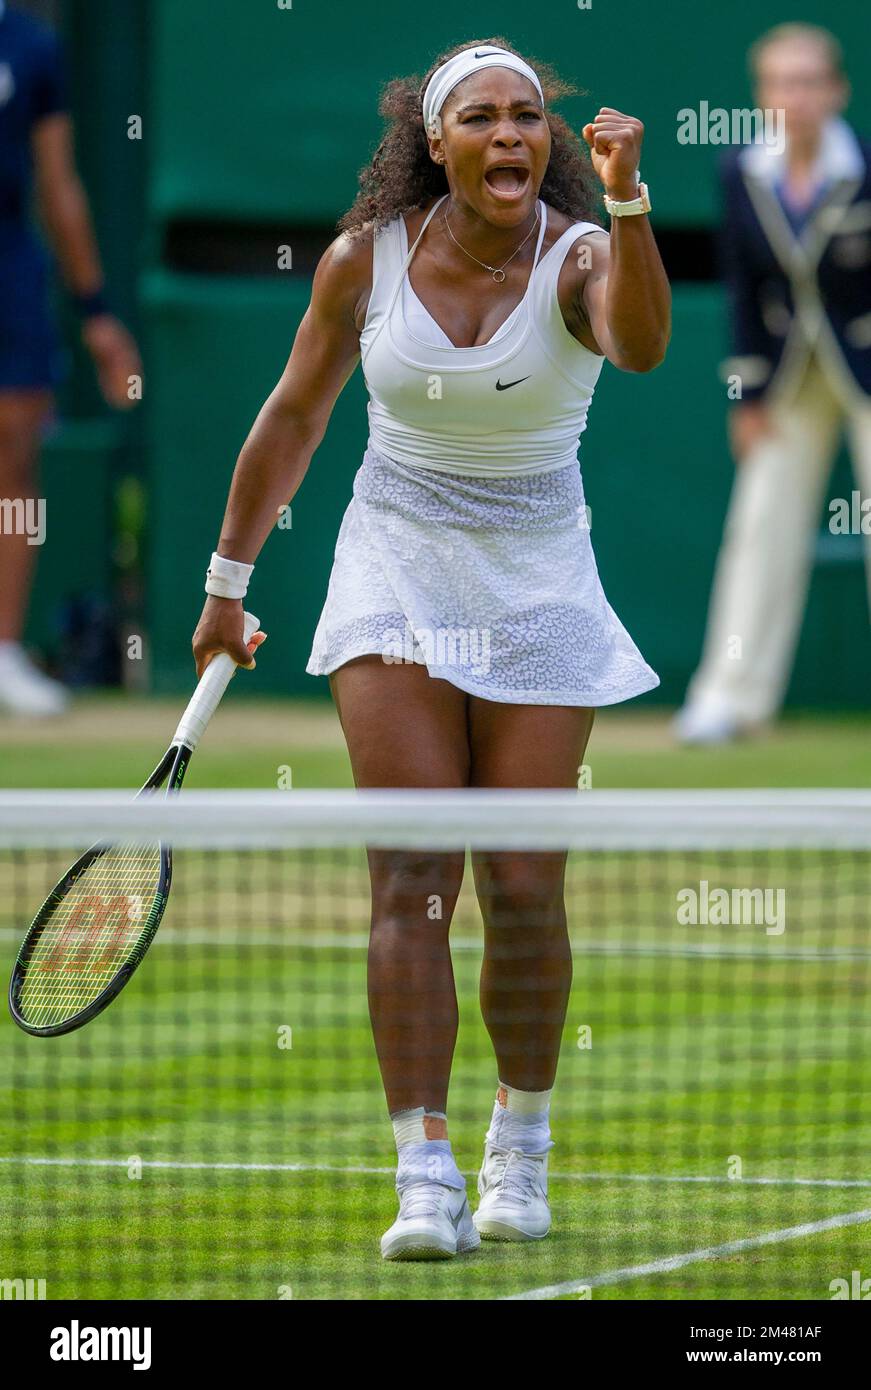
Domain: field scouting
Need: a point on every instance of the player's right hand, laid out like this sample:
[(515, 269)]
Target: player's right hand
[(221, 629)]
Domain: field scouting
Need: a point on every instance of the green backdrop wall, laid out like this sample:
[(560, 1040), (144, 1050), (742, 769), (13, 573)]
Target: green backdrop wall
[(270, 112)]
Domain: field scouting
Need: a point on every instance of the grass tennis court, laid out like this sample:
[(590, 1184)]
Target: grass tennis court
[(709, 1045), (107, 741)]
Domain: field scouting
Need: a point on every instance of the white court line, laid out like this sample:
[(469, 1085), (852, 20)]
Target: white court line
[(711, 1252), (170, 1163), (713, 1178), (358, 941)]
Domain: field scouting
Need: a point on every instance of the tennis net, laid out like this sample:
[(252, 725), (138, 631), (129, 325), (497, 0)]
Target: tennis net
[(221, 1132)]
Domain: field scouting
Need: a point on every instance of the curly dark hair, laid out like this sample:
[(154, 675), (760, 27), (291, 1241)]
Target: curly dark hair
[(401, 175)]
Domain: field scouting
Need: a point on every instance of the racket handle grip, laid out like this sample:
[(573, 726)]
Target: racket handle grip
[(207, 696)]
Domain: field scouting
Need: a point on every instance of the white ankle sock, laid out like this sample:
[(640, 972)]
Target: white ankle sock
[(521, 1120), (422, 1159), (408, 1126)]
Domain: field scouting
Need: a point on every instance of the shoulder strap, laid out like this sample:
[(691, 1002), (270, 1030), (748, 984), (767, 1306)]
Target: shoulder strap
[(387, 256), (545, 303), (405, 262), (390, 261), (549, 272)]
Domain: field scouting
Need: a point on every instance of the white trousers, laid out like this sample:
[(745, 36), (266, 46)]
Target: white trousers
[(765, 560)]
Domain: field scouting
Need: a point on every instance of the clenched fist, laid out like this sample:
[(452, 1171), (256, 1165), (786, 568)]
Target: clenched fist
[(615, 150)]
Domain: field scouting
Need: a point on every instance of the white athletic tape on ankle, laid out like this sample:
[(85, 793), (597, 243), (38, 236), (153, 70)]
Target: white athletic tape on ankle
[(523, 1102), (408, 1127)]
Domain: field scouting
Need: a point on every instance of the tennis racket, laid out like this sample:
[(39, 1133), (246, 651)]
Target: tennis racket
[(97, 923)]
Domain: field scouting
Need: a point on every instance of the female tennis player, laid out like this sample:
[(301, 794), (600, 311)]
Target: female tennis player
[(465, 632)]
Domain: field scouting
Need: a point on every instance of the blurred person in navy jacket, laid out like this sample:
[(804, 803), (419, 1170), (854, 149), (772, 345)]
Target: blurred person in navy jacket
[(796, 254), (36, 156)]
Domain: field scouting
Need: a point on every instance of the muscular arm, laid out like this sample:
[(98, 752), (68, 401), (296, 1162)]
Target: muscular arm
[(624, 300), (288, 429)]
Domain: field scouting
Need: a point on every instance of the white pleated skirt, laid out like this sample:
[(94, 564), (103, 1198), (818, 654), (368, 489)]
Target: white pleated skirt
[(491, 583)]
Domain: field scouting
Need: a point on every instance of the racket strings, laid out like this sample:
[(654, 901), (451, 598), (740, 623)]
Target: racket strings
[(96, 926)]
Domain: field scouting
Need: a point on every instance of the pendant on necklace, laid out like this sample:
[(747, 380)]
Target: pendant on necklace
[(498, 276)]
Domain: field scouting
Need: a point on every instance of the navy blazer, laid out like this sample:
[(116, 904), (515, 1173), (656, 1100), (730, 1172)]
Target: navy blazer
[(791, 295)]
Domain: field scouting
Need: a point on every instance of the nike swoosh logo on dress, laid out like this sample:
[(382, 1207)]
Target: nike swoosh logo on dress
[(504, 386)]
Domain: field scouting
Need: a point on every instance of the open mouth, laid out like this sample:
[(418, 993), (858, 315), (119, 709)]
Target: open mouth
[(507, 180)]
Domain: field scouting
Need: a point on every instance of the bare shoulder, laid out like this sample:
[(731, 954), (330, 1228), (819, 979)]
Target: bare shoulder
[(575, 265), (343, 279), (595, 244), (586, 260), (558, 223)]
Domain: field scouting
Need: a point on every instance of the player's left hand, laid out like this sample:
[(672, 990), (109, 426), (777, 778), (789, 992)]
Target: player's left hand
[(615, 151), (116, 358)]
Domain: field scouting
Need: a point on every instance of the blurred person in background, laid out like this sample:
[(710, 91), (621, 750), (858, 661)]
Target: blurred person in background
[(796, 249), (36, 154)]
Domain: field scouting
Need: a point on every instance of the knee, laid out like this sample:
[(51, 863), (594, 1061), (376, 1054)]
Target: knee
[(416, 889), (523, 892)]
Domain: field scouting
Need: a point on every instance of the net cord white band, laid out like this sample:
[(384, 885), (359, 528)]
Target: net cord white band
[(209, 692), (439, 820)]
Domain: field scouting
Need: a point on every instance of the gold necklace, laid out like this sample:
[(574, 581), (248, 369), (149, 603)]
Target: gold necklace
[(497, 273)]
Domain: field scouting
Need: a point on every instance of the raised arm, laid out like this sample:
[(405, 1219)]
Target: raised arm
[(624, 300), (291, 424)]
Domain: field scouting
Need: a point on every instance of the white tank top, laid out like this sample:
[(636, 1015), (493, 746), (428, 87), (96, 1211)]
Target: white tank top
[(516, 404)]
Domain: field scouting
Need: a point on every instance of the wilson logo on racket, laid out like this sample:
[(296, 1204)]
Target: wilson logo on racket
[(95, 926), (89, 940)]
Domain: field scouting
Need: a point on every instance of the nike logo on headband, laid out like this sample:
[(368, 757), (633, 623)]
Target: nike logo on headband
[(506, 385)]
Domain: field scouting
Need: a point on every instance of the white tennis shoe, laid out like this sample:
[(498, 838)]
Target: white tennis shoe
[(434, 1223), (707, 720), (513, 1189), (24, 690)]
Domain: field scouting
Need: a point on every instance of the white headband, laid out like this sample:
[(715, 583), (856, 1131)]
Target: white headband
[(462, 65)]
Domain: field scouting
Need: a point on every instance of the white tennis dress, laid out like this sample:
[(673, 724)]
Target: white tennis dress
[(466, 546)]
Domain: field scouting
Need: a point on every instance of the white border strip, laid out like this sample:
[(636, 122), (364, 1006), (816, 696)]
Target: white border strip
[(439, 819)]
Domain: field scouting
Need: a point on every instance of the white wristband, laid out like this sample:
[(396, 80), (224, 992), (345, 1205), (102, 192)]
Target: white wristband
[(227, 578)]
